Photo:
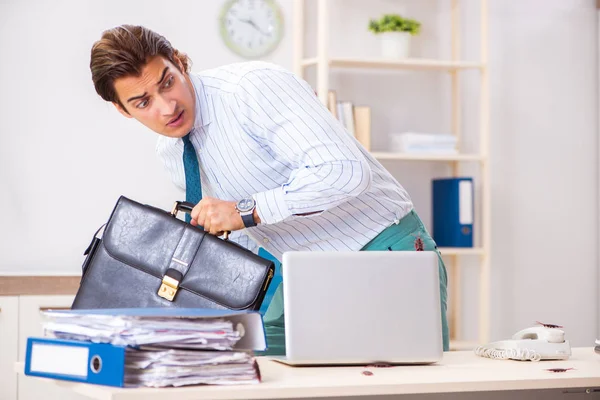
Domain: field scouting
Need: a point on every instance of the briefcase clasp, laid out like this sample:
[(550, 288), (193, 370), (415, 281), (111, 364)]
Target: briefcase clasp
[(168, 288)]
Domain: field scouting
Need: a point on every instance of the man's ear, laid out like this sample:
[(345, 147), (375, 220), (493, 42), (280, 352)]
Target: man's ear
[(122, 110)]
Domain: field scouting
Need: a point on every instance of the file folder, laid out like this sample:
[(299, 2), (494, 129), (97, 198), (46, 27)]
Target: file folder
[(254, 337), (453, 212), (97, 363)]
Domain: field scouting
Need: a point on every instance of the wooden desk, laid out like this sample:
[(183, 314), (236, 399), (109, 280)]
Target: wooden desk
[(459, 371)]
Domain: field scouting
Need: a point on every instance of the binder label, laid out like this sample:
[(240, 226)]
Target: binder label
[(56, 359), (465, 201)]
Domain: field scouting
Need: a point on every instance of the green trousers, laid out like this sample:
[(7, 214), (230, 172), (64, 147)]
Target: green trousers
[(398, 237)]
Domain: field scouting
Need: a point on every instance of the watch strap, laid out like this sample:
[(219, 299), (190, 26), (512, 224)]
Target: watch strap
[(248, 220)]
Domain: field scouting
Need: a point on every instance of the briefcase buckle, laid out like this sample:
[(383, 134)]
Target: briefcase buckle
[(168, 288)]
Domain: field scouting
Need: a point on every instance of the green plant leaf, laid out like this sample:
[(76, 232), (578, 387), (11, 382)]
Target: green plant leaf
[(394, 23)]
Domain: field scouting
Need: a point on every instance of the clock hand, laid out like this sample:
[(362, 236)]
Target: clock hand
[(252, 24), (256, 27)]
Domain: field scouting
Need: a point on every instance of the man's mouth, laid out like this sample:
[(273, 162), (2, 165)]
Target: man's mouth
[(177, 119)]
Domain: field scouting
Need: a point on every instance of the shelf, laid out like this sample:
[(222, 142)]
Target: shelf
[(426, 157), (309, 61), (409, 63), (461, 251), (323, 63)]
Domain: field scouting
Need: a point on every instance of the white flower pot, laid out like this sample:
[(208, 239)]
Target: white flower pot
[(395, 45)]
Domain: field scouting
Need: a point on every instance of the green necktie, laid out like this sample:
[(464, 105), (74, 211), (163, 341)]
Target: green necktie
[(193, 186)]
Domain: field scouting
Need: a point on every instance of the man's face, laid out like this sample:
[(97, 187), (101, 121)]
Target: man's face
[(162, 98)]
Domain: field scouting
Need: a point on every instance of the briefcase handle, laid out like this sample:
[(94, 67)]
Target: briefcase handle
[(186, 207)]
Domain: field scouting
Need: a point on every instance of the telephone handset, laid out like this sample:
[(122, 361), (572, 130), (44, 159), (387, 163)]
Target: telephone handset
[(535, 344)]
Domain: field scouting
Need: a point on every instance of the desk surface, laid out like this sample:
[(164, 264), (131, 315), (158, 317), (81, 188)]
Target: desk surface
[(459, 371)]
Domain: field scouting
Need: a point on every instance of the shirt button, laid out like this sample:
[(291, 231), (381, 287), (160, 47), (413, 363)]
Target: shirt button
[(265, 240)]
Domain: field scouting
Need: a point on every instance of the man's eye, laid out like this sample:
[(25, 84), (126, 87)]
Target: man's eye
[(169, 82), (142, 104)]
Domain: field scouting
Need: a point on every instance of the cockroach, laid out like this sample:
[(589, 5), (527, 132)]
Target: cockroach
[(379, 365), (548, 325), (376, 365), (419, 244), (558, 369)]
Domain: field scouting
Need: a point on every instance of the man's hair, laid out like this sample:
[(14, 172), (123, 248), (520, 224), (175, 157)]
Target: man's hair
[(124, 51)]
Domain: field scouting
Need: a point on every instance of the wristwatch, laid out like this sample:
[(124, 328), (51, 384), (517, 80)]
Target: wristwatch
[(246, 209)]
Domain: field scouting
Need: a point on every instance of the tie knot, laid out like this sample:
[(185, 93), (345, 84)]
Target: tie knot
[(186, 138)]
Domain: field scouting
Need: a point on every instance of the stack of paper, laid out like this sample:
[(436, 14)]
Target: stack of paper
[(411, 142), (154, 347), (190, 333), (155, 367)]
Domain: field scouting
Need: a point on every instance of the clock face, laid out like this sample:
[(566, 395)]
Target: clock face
[(251, 28)]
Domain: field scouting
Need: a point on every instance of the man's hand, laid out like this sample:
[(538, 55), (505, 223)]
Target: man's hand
[(216, 216)]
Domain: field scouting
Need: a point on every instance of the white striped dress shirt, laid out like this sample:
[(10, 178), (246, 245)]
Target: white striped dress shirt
[(261, 131)]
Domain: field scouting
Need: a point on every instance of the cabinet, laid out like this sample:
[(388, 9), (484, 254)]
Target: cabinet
[(9, 320), (20, 318), (325, 63), (30, 324)]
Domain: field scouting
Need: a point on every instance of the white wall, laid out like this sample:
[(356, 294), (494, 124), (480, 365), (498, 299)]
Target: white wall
[(65, 155), (544, 162)]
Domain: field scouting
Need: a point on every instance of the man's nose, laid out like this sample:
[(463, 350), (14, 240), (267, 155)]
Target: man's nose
[(167, 106)]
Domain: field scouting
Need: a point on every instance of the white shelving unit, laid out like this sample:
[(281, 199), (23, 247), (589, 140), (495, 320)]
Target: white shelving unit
[(324, 63), (420, 64)]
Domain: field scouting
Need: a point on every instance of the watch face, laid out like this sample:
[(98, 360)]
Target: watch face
[(245, 205), (251, 28)]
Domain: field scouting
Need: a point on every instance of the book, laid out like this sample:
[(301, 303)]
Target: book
[(362, 124)]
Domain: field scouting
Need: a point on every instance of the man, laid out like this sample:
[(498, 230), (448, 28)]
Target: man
[(275, 167)]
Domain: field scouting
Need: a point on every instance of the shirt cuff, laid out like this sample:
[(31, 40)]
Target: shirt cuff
[(271, 207)]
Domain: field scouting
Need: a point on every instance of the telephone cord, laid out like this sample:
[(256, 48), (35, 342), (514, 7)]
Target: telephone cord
[(505, 354)]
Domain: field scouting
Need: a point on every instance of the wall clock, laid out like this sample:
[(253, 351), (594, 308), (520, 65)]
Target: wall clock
[(251, 28)]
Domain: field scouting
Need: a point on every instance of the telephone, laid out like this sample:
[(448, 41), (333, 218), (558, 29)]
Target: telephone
[(534, 344)]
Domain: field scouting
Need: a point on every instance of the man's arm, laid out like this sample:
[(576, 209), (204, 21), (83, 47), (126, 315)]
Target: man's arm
[(282, 111)]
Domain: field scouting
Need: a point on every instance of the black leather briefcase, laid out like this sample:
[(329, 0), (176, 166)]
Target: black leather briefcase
[(147, 257)]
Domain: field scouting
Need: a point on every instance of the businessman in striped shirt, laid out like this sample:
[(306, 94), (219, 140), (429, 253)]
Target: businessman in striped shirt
[(275, 167)]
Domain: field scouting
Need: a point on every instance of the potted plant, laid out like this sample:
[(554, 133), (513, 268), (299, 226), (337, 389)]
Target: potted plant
[(395, 32)]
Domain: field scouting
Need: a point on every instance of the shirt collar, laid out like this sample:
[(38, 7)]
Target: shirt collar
[(202, 111)]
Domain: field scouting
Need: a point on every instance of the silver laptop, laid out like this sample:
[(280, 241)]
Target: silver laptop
[(361, 307)]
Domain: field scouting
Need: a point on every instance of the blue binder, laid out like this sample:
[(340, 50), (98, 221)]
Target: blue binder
[(71, 360), (453, 212)]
